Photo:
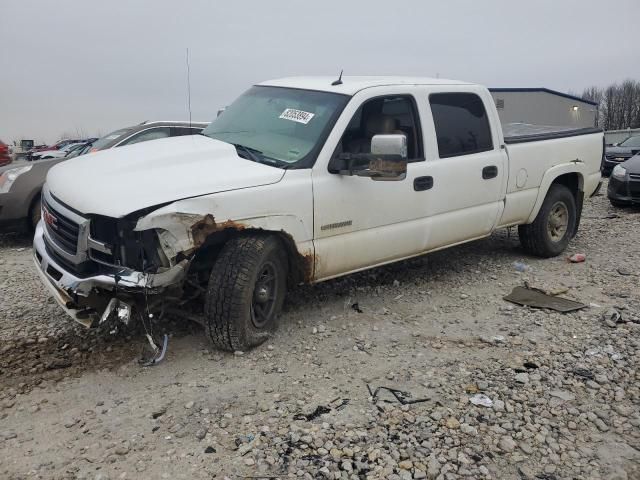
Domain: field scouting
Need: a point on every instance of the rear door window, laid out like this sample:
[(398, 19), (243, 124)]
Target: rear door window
[(461, 123)]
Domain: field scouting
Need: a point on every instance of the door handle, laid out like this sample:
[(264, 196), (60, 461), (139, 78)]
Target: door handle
[(489, 172), (422, 183)]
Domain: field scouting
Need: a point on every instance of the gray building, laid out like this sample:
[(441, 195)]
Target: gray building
[(541, 106)]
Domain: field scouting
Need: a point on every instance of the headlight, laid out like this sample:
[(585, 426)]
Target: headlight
[(619, 172), (9, 176)]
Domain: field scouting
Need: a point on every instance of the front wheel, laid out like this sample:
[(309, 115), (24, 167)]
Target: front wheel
[(553, 227), (246, 291)]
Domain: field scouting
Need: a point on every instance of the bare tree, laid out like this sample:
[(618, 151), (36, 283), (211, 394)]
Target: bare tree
[(618, 104)]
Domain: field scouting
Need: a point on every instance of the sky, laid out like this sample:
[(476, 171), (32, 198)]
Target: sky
[(87, 67)]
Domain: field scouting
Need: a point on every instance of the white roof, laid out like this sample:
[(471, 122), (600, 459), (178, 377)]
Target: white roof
[(352, 84)]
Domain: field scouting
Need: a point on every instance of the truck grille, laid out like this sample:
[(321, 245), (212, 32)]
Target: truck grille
[(63, 231)]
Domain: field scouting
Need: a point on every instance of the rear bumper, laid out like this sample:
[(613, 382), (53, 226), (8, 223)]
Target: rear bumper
[(85, 298)]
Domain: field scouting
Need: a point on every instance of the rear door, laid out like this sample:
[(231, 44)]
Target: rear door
[(467, 164)]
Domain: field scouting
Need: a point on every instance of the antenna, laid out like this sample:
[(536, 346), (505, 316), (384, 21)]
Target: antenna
[(188, 87), (338, 81)]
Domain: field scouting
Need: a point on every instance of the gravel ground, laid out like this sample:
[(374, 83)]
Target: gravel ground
[(475, 387)]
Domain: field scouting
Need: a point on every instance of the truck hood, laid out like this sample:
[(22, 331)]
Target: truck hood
[(122, 180)]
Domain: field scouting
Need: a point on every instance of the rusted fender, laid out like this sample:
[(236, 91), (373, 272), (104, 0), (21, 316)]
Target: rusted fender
[(184, 233)]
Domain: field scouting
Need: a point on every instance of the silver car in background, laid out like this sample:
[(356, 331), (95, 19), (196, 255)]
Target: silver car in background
[(21, 182)]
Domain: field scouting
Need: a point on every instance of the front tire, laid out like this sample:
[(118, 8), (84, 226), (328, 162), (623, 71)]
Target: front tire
[(553, 227), (246, 291)]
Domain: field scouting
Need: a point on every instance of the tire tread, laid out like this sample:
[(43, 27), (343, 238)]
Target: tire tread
[(229, 286)]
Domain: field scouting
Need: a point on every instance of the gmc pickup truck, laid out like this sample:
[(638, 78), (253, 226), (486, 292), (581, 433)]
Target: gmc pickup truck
[(298, 181)]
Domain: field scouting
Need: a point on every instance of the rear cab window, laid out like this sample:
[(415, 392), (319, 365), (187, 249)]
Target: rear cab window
[(461, 124)]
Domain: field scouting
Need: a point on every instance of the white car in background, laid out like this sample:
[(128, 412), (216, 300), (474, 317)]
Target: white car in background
[(61, 153)]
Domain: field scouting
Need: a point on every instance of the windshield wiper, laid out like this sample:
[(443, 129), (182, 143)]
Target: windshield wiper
[(258, 157), (252, 153)]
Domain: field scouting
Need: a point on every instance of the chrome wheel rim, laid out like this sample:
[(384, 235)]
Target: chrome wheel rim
[(558, 221), (264, 295)]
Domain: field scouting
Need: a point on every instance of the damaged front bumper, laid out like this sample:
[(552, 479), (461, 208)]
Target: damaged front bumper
[(89, 299)]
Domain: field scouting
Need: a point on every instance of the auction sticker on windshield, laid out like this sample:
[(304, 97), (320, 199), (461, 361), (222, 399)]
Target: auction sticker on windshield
[(299, 116)]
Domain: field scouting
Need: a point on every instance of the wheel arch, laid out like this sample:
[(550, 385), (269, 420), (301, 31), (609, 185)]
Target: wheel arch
[(202, 237), (300, 266), (569, 175)]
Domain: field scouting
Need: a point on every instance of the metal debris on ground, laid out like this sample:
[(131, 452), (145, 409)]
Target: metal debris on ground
[(482, 400), (58, 363), (322, 409), (158, 353), (343, 403), (533, 297), (624, 272), (404, 398), (584, 373), (612, 317)]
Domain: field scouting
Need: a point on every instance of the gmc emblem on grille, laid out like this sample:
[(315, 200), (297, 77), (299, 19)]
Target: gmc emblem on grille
[(48, 218)]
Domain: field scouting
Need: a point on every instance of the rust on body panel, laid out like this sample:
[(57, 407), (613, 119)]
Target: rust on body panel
[(207, 226)]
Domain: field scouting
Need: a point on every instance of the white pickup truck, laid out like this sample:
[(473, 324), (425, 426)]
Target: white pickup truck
[(301, 180)]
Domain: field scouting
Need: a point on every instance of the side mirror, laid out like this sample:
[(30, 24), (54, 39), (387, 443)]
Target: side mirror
[(387, 160)]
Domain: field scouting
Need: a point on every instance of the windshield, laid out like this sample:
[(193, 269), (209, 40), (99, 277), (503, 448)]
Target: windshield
[(104, 141), (631, 142), (284, 124)]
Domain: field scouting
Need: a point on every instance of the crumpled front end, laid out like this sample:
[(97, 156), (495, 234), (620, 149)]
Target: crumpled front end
[(93, 279)]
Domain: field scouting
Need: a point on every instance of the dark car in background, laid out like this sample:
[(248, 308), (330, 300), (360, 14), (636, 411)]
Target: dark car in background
[(21, 183), (619, 153), (5, 157), (624, 184)]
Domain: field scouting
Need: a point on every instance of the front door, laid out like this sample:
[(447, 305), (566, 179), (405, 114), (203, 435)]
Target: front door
[(360, 222)]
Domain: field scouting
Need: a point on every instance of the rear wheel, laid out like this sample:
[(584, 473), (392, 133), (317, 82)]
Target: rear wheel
[(553, 227), (246, 291)]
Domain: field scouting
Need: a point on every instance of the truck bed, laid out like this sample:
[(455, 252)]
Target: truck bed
[(524, 132)]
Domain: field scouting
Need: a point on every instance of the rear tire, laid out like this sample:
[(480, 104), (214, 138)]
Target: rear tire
[(246, 291), (553, 227)]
